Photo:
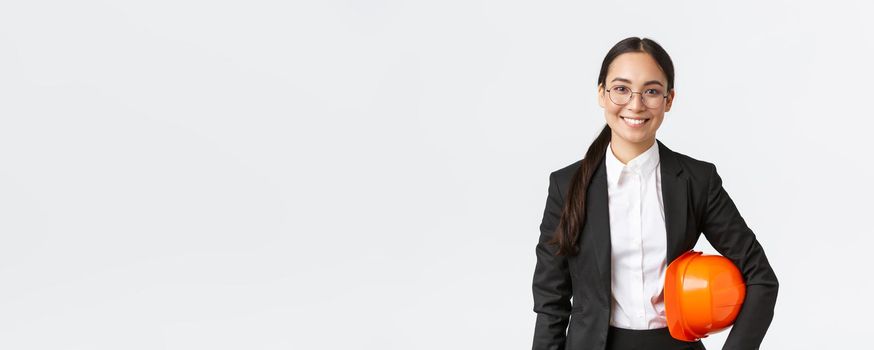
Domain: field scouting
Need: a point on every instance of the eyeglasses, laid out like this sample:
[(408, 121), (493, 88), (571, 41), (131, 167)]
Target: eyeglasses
[(621, 95)]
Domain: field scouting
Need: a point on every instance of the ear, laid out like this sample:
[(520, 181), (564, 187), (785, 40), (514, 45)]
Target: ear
[(670, 100), (601, 96)]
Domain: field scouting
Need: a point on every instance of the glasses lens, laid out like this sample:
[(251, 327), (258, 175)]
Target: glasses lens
[(620, 95), (652, 97), (653, 100)]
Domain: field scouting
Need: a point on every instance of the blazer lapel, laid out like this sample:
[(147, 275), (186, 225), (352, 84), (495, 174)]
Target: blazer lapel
[(674, 195), (597, 225)]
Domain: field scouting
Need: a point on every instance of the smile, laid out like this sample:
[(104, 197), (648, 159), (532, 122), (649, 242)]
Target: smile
[(635, 123)]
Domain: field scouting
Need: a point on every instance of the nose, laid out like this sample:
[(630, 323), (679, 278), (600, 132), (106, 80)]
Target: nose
[(636, 103)]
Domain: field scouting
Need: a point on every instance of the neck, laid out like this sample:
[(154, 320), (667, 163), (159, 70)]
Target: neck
[(626, 151)]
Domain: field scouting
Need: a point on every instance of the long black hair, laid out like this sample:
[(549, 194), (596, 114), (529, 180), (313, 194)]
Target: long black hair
[(573, 213)]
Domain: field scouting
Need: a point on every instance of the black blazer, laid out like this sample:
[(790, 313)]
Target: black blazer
[(694, 202)]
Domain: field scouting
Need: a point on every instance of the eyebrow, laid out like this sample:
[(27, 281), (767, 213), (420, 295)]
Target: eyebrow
[(629, 81)]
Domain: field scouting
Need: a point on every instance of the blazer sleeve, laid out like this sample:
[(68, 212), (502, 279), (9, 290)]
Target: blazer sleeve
[(727, 232), (552, 282)]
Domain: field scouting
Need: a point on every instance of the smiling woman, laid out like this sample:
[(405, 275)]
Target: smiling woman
[(634, 121), (617, 218)]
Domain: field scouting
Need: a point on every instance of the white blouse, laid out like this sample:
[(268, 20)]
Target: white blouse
[(637, 239)]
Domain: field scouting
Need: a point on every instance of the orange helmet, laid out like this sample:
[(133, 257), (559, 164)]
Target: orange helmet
[(703, 294)]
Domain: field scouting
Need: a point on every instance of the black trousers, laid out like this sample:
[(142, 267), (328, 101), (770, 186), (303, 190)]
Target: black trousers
[(647, 339)]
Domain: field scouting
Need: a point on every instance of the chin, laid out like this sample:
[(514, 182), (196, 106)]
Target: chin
[(635, 137)]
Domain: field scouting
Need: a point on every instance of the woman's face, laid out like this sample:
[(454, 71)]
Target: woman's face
[(639, 72)]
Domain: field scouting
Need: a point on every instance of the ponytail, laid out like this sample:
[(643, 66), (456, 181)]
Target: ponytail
[(573, 212)]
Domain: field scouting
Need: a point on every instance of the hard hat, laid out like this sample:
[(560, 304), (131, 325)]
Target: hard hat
[(703, 295)]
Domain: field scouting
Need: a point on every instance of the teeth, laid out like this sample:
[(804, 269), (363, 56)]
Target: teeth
[(634, 121)]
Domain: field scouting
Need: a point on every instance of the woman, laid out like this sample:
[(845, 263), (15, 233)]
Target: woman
[(615, 219)]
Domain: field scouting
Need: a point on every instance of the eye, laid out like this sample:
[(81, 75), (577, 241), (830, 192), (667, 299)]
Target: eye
[(653, 92), (619, 89)]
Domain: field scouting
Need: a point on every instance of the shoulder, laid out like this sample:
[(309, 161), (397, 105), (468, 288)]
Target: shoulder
[(698, 171), (567, 171), (695, 168), (560, 179)]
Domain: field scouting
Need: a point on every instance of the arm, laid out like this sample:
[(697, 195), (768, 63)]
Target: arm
[(552, 282), (727, 232)]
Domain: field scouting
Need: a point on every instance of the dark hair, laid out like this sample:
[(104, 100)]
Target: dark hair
[(573, 213)]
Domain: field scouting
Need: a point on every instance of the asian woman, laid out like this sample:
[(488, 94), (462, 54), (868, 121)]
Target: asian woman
[(615, 219)]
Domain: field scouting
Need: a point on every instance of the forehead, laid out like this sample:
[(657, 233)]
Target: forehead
[(638, 67)]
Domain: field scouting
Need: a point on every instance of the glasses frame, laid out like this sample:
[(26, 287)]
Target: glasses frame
[(642, 100)]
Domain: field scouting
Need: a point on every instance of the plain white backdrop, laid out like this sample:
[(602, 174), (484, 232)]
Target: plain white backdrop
[(372, 174)]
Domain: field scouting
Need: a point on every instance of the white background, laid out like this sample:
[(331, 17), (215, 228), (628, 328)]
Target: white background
[(372, 174)]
